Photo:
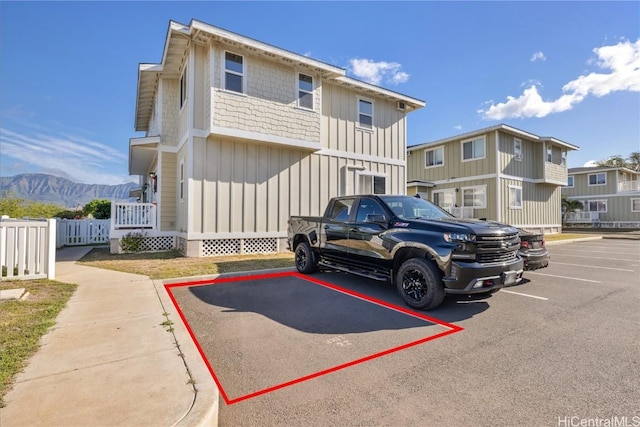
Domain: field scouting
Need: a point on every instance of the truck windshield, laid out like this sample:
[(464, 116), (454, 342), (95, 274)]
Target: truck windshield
[(407, 207)]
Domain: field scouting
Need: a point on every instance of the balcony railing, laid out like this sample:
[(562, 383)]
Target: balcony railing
[(133, 215), (582, 217), (628, 186)]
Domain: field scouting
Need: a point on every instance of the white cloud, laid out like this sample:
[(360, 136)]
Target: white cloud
[(590, 164), (70, 156), (622, 63), (458, 127), (538, 56), (376, 72)]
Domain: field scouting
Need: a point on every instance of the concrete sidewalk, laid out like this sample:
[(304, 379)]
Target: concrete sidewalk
[(110, 361)]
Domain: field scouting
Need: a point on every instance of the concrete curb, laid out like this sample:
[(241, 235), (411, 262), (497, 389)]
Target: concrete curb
[(580, 239)]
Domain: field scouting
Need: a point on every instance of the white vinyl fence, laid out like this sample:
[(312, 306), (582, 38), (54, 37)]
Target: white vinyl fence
[(28, 249), (78, 232)]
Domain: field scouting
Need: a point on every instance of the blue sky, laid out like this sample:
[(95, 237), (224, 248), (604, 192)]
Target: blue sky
[(570, 70)]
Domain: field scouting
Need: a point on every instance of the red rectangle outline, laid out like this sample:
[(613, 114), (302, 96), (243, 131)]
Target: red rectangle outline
[(452, 328)]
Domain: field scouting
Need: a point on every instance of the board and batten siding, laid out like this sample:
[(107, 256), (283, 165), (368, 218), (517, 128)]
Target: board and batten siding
[(340, 130), (541, 205), (241, 188), (531, 156), (581, 185), (453, 167), (167, 189)]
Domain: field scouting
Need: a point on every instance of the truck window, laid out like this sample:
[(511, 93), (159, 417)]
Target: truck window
[(341, 210), (368, 207)]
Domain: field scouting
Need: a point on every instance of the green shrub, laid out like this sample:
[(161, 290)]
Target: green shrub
[(132, 242)]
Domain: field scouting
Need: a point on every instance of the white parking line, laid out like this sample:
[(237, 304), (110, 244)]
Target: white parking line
[(594, 257), (525, 295), (564, 277), (592, 266)]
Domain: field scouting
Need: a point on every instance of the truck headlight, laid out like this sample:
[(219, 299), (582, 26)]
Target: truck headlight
[(459, 237)]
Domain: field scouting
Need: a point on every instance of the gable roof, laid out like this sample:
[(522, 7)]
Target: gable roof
[(177, 43), (501, 127)]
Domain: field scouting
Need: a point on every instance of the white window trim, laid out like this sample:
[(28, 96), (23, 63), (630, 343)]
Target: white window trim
[(573, 181), (359, 174), (373, 114), (548, 157), (473, 187), (511, 201), (596, 175), (313, 94), (517, 154), (484, 142), (225, 71), (433, 149), (181, 181), (636, 210), (443, 192), (603, 201)]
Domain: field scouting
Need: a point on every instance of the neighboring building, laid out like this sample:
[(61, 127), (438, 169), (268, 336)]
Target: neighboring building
[(241, 134), (499, 173), (610, 196)]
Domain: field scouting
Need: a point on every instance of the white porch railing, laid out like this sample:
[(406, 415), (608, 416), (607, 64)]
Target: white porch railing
[(464, 212), (581, 217), (628, 186), (133, 215), (28, 249)]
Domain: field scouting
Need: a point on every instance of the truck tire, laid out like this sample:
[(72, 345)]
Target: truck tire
[(419, 283), (304, 259)]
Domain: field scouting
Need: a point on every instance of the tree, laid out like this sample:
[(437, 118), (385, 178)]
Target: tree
[(569, 206), (617, 161), (98, 208), (15, 207)]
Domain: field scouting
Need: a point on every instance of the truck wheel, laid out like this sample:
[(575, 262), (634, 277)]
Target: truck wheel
[(419, 283), (305, 261)]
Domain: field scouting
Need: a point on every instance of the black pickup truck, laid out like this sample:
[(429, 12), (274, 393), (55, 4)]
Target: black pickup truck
[(411, 242)]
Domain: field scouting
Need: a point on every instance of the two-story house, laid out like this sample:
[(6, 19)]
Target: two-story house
[(240, 134), (500, 173), (610, 196)]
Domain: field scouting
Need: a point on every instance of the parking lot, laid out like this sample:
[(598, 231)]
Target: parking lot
[(561, 347)]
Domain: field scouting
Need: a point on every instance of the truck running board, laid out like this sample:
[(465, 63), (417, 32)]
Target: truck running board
[(364, 273)]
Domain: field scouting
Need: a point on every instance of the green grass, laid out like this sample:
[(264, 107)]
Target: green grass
[(171, 264), (23, 323)]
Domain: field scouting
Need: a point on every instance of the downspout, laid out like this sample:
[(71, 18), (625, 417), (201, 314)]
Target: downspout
[(498, 180)]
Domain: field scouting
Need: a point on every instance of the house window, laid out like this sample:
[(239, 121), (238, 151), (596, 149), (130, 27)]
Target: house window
[(434, 157), (182, 180), (598, 179), (372, 184), (570, 181), (183, 87), (517, 149), (549, 154), (305, 91), (635, 205), (515, 197), (595, 205), (473, 149), (563, 161), (233, 72), (475, 197), (365, 114)]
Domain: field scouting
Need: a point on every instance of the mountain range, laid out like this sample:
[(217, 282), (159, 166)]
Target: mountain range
[(61, 191)]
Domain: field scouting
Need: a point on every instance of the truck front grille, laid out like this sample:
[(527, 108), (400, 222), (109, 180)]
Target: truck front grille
[(492, 249)]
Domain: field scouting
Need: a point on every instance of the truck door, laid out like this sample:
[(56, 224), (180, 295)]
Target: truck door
[(334, 231), (366, 245)]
